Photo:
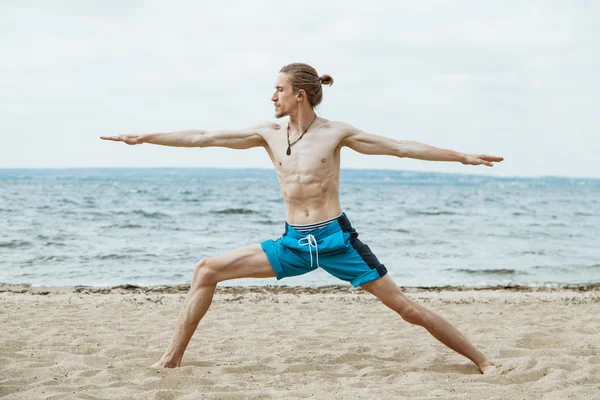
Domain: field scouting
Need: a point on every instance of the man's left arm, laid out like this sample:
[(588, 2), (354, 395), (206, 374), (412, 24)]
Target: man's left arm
[(367, 143)]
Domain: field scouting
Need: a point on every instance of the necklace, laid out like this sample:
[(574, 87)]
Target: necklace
[(289, 149)]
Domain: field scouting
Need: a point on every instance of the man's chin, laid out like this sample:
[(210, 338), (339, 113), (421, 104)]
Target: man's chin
[(279, 114)]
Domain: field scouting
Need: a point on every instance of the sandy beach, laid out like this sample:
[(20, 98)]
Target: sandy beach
[(294, 342)]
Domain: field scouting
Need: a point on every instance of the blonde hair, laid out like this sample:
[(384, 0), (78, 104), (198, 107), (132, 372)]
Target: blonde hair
[(303, 76)]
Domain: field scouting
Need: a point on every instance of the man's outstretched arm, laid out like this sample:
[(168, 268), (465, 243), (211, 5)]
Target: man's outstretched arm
[(233, 139), (380, 145)]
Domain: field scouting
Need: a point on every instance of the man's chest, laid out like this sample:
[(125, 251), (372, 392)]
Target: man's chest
[(307, 154)]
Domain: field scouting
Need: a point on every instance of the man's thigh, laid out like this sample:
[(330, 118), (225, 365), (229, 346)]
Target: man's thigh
[(245, 262)]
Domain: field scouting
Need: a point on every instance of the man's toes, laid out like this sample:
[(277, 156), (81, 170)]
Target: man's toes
[(488, 369)]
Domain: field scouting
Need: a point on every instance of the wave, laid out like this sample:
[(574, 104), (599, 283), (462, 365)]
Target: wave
[(125, 226), (54, 244), (15, 244), (399, 230), (500, 271), (113, 257), (531, 253), (44, 259), (152, 215), (432, 213), (145, 214), (567, 268), (269, 222), (68, 201), (234, 211)]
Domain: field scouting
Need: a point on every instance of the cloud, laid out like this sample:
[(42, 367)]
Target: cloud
[(516, 78)]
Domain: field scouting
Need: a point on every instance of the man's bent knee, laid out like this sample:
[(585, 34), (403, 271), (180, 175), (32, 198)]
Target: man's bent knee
[(413, 315), (205, 273), (387, 291)]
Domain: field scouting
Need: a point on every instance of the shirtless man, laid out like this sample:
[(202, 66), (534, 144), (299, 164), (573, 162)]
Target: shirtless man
[(306, 155)]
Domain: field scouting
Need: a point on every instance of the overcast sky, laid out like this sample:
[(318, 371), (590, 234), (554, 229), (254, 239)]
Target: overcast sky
[(519, 79)]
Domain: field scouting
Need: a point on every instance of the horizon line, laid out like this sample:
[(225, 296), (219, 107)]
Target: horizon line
[(272, 169)]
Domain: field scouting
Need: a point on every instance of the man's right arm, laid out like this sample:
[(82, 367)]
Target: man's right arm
[(233, 139)]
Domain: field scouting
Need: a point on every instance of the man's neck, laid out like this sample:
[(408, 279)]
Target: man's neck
[(300, 121)]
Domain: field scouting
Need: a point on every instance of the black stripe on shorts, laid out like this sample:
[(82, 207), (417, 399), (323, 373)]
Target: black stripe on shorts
[(362, 249)]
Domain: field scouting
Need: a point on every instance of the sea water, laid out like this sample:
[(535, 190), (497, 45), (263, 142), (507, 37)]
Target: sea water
[(150, 226)]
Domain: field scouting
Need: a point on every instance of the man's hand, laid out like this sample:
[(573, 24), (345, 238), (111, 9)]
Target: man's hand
[(129, 139), (478, 159)]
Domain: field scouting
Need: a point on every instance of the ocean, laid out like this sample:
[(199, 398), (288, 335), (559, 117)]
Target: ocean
[(149, 226)]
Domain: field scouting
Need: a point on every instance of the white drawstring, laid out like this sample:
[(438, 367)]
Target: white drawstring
[(310, 242)]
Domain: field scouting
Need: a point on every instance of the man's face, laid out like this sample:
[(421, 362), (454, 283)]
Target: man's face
[(284, 100)]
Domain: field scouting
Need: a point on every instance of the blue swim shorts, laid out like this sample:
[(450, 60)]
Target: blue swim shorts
[(334, 247)]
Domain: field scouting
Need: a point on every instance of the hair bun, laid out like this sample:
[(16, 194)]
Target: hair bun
[(326, 80)]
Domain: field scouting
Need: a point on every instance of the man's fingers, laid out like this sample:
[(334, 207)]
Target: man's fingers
[(122, 138), (481, 160), (491, 158), (115, 138)]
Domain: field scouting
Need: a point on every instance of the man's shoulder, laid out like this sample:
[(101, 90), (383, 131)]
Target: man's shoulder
[(337, 126), (266, 126), (265, 129), (344, 129)]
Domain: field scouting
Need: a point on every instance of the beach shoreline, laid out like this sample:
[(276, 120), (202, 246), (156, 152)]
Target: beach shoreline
[(270, 342), (283, 289)]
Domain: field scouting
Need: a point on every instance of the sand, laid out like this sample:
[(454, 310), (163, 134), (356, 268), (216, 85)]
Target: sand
[(289, 343)]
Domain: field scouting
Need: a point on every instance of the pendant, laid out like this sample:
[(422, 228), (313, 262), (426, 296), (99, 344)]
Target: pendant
[(289, 151)]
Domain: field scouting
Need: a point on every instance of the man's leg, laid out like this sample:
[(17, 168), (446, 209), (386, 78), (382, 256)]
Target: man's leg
[(246, 262), (386, 290)]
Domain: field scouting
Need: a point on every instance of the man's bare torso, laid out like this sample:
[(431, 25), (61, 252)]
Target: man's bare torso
[(309, 177)]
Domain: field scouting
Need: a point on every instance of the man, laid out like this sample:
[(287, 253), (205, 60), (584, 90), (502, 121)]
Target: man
[(306, 156)]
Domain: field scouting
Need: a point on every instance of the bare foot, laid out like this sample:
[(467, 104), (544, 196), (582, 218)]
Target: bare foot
[(165, 364), (487, 367)]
